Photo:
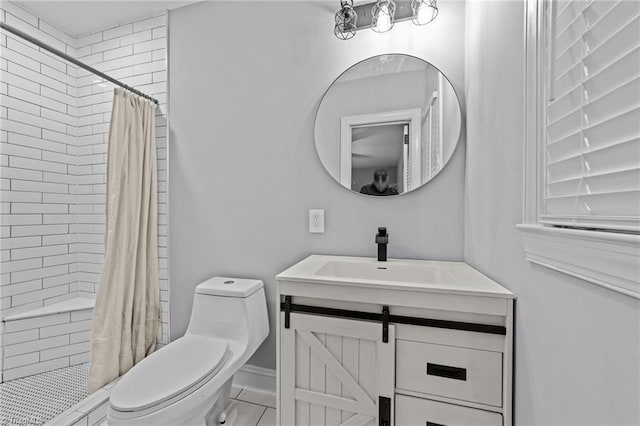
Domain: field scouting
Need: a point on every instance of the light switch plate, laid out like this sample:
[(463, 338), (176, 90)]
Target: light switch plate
[(316, 221)]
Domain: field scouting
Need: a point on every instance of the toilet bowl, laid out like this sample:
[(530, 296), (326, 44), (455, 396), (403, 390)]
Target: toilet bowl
[(188, 382)]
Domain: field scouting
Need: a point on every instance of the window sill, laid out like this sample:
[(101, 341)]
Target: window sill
[(607, 259)]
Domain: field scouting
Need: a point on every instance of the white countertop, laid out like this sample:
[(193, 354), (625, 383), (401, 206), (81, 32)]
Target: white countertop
[(425, 275)]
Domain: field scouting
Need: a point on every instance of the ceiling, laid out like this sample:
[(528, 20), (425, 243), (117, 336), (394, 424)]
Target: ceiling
[(82, 17)]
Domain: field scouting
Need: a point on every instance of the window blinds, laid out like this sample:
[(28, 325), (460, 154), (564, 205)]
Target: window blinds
[(592, 114)]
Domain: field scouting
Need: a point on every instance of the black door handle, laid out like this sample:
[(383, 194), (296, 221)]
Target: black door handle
[(384, 411)]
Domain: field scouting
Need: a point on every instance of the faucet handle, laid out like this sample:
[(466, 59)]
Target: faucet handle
[(382, 237)]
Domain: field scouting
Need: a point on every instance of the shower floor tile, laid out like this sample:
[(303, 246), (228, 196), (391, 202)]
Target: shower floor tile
[(36, 399)]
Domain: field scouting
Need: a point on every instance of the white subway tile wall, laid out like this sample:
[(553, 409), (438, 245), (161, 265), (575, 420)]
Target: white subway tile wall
[(53, 147), (113, 51), (38, 127)]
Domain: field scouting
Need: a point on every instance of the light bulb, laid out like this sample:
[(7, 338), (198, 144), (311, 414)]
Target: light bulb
[(383, 13), (383, 23), (425, 15), (424, 11)]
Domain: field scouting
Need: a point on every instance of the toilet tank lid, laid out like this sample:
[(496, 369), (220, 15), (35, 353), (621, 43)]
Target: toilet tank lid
[(229, 287)]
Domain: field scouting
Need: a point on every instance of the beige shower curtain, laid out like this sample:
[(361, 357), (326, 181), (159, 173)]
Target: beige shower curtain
[(126, 318)]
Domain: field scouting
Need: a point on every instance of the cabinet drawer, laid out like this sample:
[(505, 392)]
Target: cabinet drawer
[(460, 373), (416, 411)]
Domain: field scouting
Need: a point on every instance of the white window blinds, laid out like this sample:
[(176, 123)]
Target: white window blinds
[(592, 114)]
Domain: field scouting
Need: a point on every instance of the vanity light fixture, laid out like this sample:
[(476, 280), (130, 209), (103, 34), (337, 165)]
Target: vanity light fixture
[(381, 15)]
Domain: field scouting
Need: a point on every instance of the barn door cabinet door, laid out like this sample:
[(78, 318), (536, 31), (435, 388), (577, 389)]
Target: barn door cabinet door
[(336, 371)]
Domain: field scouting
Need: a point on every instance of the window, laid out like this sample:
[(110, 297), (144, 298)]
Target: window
[(582, 153)]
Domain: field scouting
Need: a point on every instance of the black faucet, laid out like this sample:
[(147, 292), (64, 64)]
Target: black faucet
[(382, 239)]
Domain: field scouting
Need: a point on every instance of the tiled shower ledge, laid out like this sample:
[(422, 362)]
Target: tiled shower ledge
[(47, 338), (77, 303)]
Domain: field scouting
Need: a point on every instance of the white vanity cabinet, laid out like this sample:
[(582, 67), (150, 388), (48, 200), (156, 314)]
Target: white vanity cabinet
[(402, 342)]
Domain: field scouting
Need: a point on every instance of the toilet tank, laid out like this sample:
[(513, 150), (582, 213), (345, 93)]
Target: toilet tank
[(230, 309)]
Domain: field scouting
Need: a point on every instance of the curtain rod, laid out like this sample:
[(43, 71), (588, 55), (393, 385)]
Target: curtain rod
[(74, 61)]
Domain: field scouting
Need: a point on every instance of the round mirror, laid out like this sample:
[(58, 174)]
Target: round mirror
[(387, 125)]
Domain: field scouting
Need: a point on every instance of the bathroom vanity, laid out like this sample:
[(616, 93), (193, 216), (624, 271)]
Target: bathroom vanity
[(404, 342)]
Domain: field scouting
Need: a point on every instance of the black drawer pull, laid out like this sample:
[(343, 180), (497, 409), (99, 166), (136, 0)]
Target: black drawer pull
[(446, 371), (434, 424)]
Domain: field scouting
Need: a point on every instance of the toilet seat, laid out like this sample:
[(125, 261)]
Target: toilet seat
[(178, 369)]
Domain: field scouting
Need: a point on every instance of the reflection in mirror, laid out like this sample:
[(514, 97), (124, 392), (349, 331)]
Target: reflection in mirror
[(387, 125), (377, 151)]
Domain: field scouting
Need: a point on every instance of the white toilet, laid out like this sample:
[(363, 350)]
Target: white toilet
[(188, 382)]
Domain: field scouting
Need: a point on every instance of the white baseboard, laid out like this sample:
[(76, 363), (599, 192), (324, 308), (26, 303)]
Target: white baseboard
[(259, 378)]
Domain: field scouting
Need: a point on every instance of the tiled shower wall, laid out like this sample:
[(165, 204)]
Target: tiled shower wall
[(55, 123), (38, 142), (136, 54)]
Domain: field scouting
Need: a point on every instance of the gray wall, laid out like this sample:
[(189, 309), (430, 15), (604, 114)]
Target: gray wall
[(243, 169), (578, 345)]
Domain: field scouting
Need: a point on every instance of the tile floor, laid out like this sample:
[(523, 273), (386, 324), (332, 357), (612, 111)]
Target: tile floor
[(34, 400), (255, 408)]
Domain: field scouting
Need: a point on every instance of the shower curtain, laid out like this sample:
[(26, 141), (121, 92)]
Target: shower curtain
[(127, 316)]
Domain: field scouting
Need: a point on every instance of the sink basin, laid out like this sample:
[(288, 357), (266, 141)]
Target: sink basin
[(383, 271), (395, 274)]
